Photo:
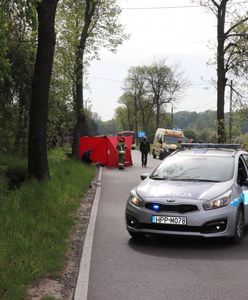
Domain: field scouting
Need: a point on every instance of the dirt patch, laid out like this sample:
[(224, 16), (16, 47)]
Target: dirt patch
[(63, 288)]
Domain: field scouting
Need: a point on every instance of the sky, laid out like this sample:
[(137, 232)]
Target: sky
[(179, 31)]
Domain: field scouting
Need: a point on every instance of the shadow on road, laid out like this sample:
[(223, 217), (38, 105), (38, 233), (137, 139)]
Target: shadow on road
[(191, 247)]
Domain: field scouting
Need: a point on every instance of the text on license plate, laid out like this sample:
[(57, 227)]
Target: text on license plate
[(169, 220)]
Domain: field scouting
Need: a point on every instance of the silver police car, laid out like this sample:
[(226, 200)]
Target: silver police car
[(199, 190)]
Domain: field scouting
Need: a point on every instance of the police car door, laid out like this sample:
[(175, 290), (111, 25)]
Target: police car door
[(243, 180)]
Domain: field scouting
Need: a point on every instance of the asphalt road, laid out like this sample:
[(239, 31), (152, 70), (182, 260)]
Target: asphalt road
[(158, 267)]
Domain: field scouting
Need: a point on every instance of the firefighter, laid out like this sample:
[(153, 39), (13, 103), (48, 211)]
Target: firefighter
[(121, 147)]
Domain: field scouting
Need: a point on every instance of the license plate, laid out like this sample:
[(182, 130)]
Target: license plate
[(169, 220)]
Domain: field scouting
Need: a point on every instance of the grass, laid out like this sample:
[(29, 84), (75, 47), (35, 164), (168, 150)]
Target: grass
[(35, 223)]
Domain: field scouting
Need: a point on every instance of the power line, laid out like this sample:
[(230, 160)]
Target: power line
[(166, 45), (172, 7), (160, 7), (121, 81), (107, 79)]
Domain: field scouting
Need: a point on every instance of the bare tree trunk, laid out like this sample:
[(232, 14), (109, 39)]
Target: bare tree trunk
[(37, 143), (221, 73)]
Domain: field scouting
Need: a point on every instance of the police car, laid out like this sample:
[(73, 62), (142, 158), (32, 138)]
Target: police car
[(199, 190)]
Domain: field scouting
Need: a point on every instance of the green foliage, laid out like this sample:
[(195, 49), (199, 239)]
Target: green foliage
[(242, 140), (48, 298), (3, 183), (4, 62), (36, 221), (199, 126), (190, 134), (17, 51)]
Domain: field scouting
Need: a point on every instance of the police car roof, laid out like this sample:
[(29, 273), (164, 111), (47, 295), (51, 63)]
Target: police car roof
[(210, 146), (209, 149)]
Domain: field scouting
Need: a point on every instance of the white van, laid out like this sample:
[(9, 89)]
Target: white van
[(166, 141)]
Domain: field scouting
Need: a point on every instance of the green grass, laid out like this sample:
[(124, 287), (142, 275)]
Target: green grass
[(35, 223), (48, 298)]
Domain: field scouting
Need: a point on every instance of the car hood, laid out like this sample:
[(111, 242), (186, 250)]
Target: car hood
[(160, 189)]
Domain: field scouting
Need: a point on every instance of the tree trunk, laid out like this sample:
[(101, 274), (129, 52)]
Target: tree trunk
[(79, 107), (79, 128), (157, 112), (221, 73), (37, 143)]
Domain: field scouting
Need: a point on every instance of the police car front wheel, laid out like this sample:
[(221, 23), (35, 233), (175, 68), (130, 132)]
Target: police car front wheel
[(239, 226)]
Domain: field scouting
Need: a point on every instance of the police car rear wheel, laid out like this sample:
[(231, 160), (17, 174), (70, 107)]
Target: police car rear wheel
[(239, 226)]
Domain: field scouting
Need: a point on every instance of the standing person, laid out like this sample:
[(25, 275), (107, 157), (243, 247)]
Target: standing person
[(121, 147), (144, 149)]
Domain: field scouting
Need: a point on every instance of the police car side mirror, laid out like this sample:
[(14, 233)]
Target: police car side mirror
[(144, 176)]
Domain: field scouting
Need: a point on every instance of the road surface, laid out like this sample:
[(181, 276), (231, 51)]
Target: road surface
[(158, 268)]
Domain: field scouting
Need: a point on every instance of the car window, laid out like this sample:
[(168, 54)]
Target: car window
[(195, 168), (245, 156), (242, 174)]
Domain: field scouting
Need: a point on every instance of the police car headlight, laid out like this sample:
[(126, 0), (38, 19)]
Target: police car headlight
[(135, 200), (217, 203)]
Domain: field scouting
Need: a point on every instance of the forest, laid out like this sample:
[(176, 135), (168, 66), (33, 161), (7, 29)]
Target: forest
[(201, 126)]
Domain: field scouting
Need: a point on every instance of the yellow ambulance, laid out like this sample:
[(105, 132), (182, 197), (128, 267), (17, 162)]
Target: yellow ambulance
[(166, 141)]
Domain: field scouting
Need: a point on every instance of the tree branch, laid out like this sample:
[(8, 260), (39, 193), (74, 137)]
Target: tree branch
[(229, 46), (237, 34), (235, 26), (215, 3)]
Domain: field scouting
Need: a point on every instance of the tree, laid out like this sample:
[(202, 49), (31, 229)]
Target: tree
[(231, 47), (162, 86), (146, 92), (37, 143), (99, 27), (141, 110)]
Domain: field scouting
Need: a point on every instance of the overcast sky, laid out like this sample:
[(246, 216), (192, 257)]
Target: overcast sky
[(176, 30)]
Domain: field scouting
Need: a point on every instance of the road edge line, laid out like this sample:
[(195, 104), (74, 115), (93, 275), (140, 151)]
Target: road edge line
[(84, 268)]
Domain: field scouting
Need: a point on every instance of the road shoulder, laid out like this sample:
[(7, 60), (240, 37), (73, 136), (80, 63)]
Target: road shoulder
[(63, 287)]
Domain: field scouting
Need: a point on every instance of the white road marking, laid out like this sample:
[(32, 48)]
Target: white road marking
[(84, 269)]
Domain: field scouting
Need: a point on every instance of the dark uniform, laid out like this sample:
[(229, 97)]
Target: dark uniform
[(121, 147), (144, 149), (86, 157)]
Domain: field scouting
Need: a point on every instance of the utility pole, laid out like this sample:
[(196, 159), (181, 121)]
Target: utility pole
[(230, 112), (172, 121)]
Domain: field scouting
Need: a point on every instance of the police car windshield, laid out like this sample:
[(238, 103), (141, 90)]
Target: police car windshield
[(195, 168)]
